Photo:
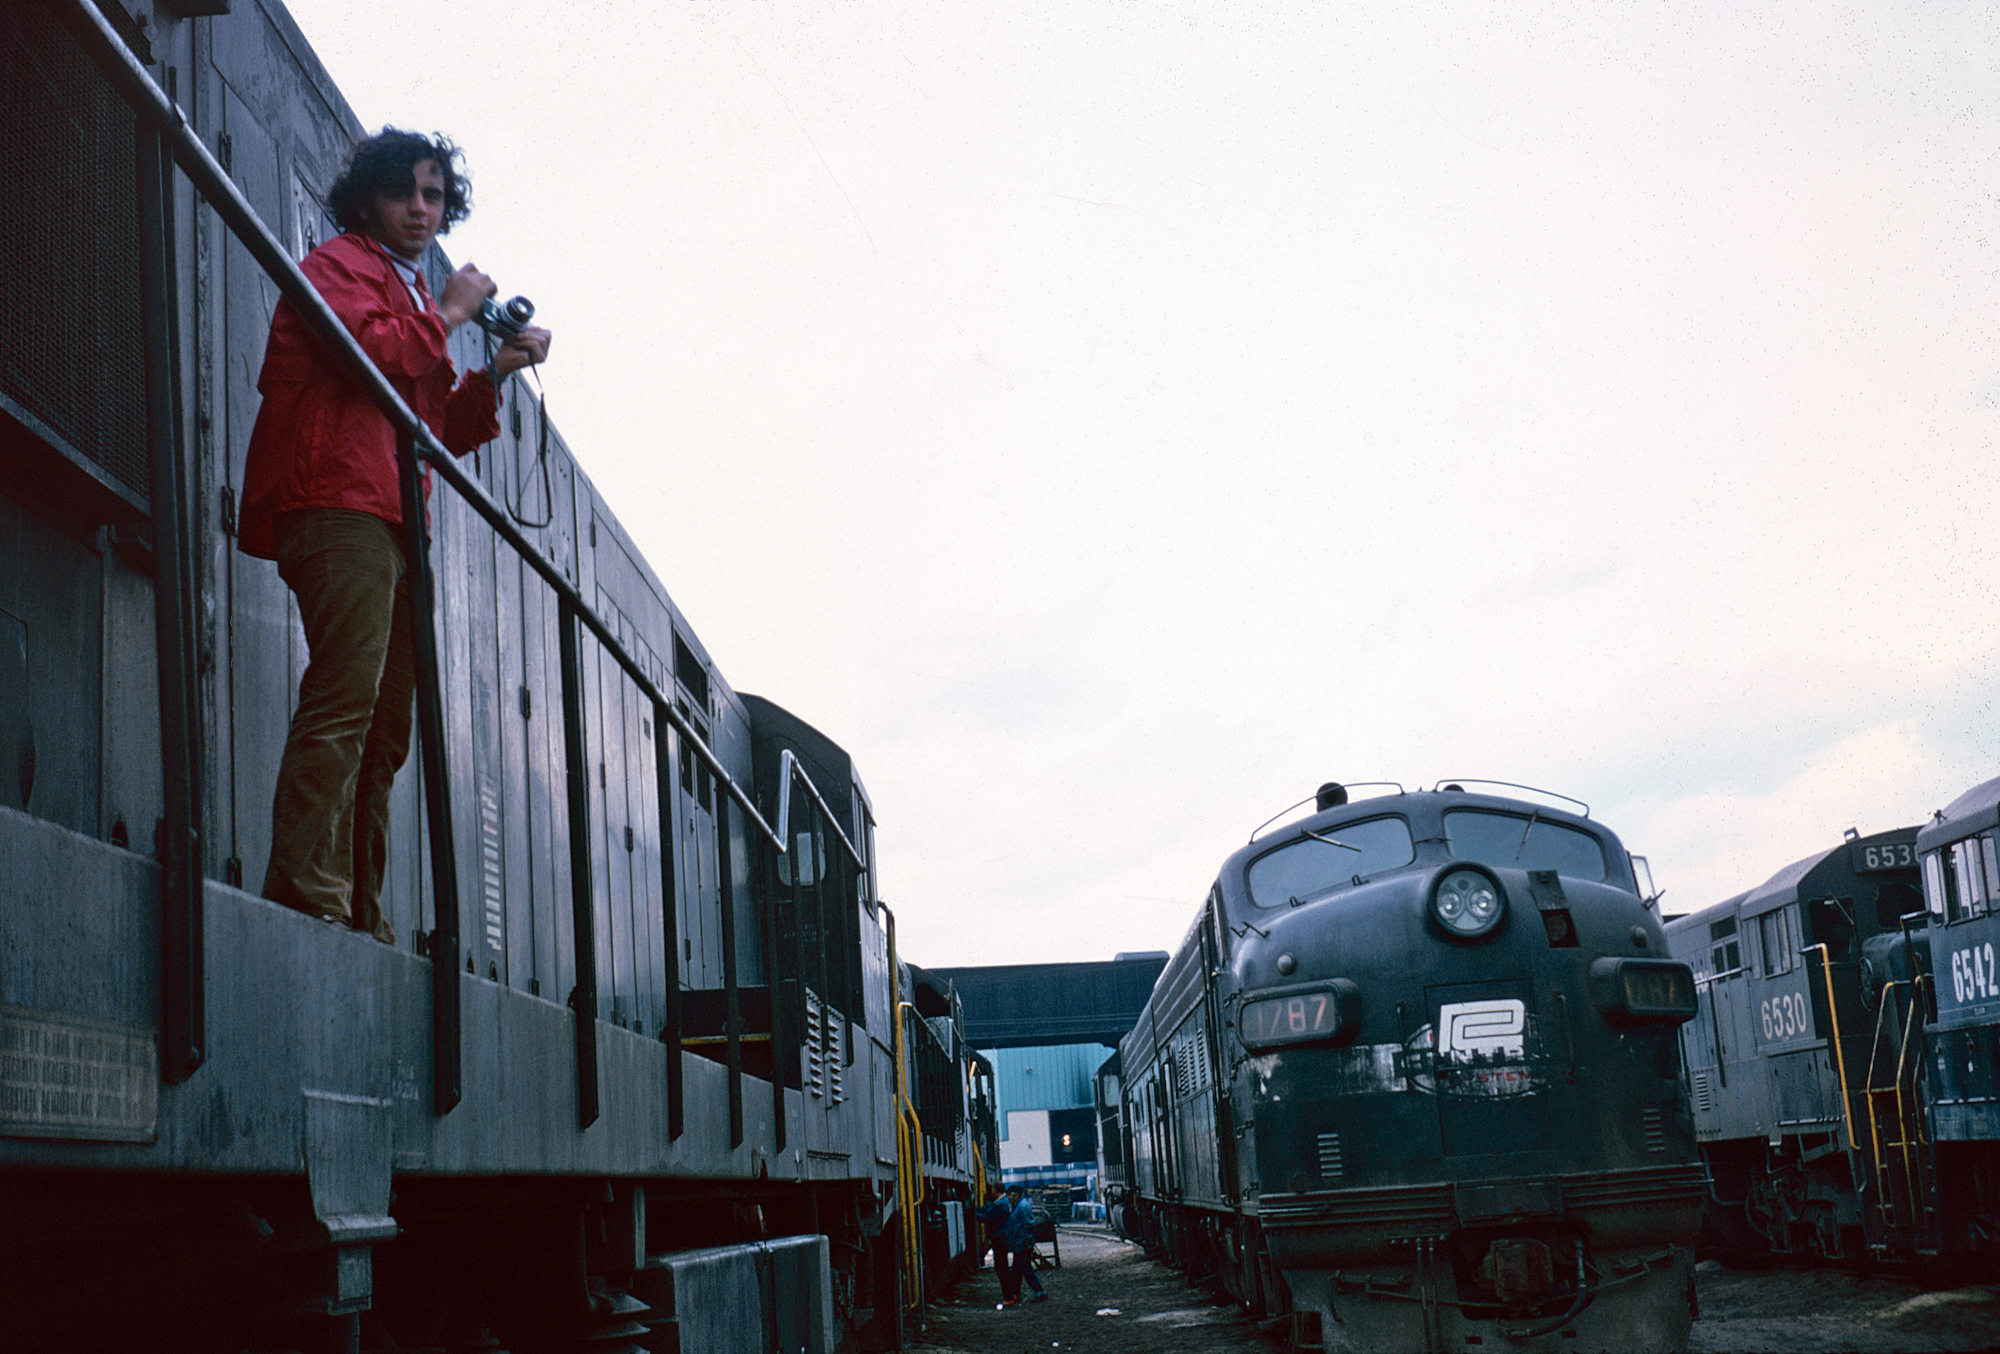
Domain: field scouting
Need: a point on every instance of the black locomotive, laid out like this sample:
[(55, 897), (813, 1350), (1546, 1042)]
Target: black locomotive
[(645, 1070), (1414, 1075), (1844, 1062)]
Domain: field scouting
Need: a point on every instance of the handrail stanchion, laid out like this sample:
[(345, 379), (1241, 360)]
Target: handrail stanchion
[(781, 1048), (670, 921), (447, 1080), (183, 1002), (732, 998), (583, 896)]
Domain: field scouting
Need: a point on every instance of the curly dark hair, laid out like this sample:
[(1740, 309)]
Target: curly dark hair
[(387, 162)]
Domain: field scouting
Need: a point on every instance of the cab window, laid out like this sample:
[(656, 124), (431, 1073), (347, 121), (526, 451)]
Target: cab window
[(1777, 942), (1725, 955), (1309, 869), (1523, 842), (1963, 879)]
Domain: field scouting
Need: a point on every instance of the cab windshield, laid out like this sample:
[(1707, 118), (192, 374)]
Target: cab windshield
[(1312, 867), (1522, 841)]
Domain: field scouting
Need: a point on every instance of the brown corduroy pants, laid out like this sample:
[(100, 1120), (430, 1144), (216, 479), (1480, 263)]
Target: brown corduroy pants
[(351, 733)]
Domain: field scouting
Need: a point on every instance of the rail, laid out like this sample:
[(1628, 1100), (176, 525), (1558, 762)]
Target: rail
[(173, 141)]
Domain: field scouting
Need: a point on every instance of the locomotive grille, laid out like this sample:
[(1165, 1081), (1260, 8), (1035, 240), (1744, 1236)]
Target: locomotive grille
[(1330, 1167), (1704, 1099), (71, 351), (1654, 1127)]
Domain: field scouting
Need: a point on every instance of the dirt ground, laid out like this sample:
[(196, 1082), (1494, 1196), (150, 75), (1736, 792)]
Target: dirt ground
[(1108, 1298), (1808, 1311)]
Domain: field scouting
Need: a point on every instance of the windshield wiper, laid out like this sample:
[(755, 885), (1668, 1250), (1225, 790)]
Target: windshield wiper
[(1322, 837), (1535, 814)]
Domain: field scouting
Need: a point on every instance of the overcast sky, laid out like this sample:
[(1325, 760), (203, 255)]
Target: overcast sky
[(1109, 420)]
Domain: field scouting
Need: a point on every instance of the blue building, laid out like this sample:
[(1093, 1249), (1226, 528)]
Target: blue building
[(1048, 1115)]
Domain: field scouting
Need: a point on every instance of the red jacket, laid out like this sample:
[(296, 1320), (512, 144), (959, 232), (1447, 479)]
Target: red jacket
[(320, 442)]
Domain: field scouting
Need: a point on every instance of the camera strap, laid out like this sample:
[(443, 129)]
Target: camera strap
[(541, 465)]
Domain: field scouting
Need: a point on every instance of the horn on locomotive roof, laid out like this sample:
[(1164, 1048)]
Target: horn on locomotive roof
[(1330, 796)]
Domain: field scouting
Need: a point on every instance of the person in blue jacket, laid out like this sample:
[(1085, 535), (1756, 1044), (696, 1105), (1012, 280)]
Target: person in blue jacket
[(1012, 1218)]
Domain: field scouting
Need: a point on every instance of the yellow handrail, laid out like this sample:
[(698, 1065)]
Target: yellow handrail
[(1909, 1126), (1869, 1091), (1839, 1055), (909, 1140)]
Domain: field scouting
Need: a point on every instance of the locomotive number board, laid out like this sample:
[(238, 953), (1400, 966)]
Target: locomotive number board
[(1278, 1020), (1884, 856)]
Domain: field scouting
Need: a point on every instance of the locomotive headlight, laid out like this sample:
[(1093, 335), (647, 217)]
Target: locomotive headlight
[(1467, 903), (1643, 991)]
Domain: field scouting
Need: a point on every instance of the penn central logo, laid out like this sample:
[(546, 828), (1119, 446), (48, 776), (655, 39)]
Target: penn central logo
[(1488, 1030)]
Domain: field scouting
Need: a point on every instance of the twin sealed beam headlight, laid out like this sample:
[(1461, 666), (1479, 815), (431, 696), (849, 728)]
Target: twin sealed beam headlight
[(1467, 903), (1643, 991)]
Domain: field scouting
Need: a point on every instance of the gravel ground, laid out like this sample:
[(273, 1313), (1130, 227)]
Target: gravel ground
[(1108, 1298)]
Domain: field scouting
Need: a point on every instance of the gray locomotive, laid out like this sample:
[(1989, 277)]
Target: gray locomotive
[(1414, 1075), (644, 1072), (1844, 1063)]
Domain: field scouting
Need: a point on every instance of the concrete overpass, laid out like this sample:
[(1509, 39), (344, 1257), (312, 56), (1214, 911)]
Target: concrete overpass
[(1033, 1005)]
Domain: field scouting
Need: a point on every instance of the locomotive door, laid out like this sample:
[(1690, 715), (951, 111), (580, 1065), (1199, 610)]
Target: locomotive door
[(1488, 1070), (1223, 1186), (699, 902), (249, 703), (1166, 1163)]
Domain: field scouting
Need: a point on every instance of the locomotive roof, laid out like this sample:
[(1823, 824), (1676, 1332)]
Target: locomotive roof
[(1689, 921), (1418, 801), (1783, 887), (1788, 884), (1973, 811)]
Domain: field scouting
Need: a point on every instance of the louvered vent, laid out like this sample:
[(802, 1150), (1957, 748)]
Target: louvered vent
[(489, 866), (1330, 1167), (816, 1059), (1654, 1127), (1703, 1099), (833, 1031)]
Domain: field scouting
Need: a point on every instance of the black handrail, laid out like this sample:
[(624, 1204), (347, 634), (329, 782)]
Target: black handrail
[(183, 959), (219, 190)]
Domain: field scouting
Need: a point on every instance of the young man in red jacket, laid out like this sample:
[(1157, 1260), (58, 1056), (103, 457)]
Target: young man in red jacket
[(322, 495)]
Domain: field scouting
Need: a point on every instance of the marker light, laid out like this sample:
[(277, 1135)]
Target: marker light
[(1467, 903)]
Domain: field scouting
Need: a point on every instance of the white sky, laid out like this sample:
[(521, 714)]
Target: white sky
[(1111, 419)]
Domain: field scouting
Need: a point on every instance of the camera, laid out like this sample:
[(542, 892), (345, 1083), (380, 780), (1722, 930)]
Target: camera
[(506, 320)]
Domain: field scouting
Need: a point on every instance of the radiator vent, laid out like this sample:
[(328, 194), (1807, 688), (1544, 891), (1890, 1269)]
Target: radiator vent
[(72, 349), (1652, 1124), (1330, 1167), (1704, 1100)]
